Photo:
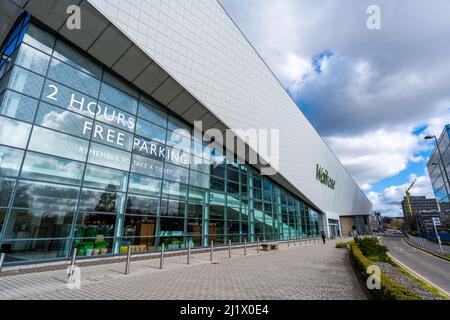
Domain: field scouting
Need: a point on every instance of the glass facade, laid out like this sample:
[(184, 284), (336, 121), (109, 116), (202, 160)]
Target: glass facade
[(89, 161), (436, 166)]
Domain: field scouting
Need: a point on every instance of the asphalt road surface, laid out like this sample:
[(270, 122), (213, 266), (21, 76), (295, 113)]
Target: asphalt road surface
[(434, 269)]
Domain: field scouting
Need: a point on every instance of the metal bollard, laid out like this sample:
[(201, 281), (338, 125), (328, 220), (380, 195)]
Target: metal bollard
[(294, 242), (257, 245), (2, 259), (245, 247), (289, 244), (161, 261), (189, 253), (229, 249), (310, 240), (127, 266), (72, 262), (211, 251)]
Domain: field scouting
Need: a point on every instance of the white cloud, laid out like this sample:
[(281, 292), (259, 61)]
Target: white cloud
[(388, 201), (376, 88), (373, 156)]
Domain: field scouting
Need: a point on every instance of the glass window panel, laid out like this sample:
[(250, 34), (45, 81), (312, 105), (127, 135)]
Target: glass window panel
[(216, 212), (101, 201), (10, 161), (233, 188), (2, 219), (26, 82), (18, 106), (199, 179), (51, 169), (112, 136), (174, 190), (39, 38), (218, 171), (148, 148), (55, 143), (67, 98), (233, 213), (93, 225), (35, 250), (115, 117), (118, 98), (217, 198), (26, 224), (111, 79), (140, 244), (6, 189), (73, 78), (216, 227), (14, 133), (144, 185), (150, 131), (63, 120), (109, 157), (175, 173), (233, 175), (32, 59), (38, 195), (199, 164), (233, 227), (147, 166), (171, 227), (172, 208), (198, 195), (178, 141), (195, 210), (177, 157), (105, 178), (152, 114), (179, 126), (139, 226), (195, 226), (217, 184), (142, 205), (69, 55)]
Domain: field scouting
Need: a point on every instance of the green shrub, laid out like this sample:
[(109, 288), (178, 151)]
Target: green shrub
[(389, 290), (373, 250)]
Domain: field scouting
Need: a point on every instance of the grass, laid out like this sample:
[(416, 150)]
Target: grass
[(421, 283), (445, 255)]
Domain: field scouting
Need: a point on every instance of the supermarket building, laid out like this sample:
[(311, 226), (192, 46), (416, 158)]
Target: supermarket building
[(98, 148)]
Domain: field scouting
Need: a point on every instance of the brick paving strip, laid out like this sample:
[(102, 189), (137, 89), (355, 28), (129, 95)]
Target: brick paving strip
[(313, 271)]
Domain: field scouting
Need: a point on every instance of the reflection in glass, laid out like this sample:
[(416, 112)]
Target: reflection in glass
[(62, 120), (142, 205), (18, 106), (101, 201), (105, 178), (25, 250), (6, 189), (52, 169), (38, 195), (26, 82), (93, 225), (152, 114), (71, 77), (109, 157), (118, 98), (32, 59), (26, 224), (10, 160), (14, 133), (144, 185)]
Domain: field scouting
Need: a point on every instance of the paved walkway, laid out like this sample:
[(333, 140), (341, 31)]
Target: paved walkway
[(312, 271)]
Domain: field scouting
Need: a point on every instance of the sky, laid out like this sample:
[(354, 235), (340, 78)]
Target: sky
[(371, 94)]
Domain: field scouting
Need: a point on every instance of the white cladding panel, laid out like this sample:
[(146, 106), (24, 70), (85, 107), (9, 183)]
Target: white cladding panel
[(197, 43)]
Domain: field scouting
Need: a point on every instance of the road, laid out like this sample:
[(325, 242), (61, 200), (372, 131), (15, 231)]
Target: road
[(432, 268)]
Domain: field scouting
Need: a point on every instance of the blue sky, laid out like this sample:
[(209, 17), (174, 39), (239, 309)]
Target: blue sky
[(371, 94)]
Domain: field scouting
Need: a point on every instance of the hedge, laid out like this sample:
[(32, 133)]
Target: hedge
[(390, 290)]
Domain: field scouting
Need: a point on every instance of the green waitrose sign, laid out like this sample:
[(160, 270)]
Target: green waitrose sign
[(323, 177)]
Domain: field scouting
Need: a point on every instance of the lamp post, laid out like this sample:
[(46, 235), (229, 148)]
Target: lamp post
[(441, 159)]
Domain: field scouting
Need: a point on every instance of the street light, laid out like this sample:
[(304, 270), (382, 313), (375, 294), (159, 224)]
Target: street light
[(442, 160)]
